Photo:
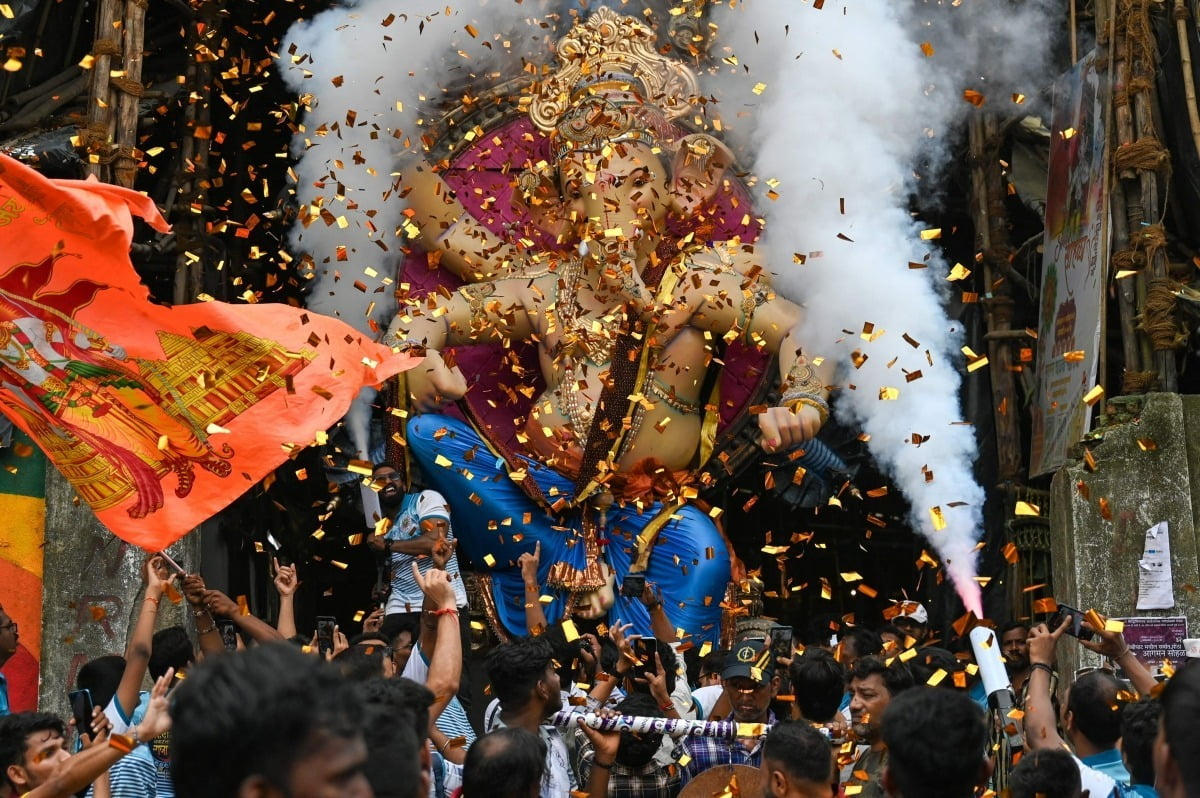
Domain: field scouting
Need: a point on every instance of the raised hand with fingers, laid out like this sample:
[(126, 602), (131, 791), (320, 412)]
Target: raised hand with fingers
[(157, 719), (193, 589), (156, 576), (529, 562), (220, 604), (374, 621), (286, 579), (436, 585), (624, 644), (443, 550)]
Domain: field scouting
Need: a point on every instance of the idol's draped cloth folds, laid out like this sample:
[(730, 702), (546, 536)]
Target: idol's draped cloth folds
[(158, 416)]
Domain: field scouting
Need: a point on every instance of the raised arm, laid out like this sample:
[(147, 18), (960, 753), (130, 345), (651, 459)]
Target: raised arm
[(723, 301), (445, 660), (449, 233), (490, 312), (206, 625), (535, 615), (1113, 645), (1041, 730), (137, 651), (80, 770), (253, 627), (286, 583)]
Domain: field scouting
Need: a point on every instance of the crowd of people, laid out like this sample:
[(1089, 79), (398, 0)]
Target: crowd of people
[(255, 709)]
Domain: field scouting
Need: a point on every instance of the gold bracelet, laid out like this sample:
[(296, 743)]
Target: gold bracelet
[(795, 404)]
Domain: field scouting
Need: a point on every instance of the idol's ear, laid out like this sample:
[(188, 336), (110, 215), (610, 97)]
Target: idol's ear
[(701, 162)]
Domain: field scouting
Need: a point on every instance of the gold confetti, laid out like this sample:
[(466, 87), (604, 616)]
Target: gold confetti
[(1093, 395), (927, 49), (959, 272), (939, 519), (1028, 509)]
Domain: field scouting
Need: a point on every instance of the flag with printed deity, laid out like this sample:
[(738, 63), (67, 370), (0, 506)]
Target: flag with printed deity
[(158, 416)]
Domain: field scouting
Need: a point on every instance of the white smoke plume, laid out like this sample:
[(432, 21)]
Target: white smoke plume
[(850, 104), (844, 102), (367, 71)]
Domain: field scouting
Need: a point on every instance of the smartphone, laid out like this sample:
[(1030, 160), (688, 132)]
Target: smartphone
[(644, 648), (228, 634), (325, 624), (781, 642), (81, 710), (1075, 628), (633, 585)]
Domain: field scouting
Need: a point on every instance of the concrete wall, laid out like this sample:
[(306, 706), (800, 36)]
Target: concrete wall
[(91, 589), (1095, 557)]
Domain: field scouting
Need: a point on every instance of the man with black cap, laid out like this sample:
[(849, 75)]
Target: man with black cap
[(750, 684)]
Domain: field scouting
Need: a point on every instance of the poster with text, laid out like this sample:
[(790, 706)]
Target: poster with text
[(1075, 252)]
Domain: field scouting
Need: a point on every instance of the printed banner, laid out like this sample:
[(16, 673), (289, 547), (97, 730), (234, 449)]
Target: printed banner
[(158, 416), (23, 507), (1072, 268)]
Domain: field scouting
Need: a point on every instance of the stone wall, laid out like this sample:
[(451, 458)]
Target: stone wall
[(1146, 470), (91, 590)]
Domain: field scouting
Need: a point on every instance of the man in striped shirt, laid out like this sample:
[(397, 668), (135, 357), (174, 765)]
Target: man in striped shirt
[(420, 521)]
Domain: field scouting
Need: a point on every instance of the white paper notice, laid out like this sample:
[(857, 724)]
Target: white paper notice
[(1154, 571)]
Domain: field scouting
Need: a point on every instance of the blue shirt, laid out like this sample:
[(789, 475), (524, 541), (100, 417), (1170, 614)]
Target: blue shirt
[(4, 707), (1144, 790), (406, 595), (1109, 763)]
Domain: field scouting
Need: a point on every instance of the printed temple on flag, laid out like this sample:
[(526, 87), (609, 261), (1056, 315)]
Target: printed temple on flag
[(158, 416)]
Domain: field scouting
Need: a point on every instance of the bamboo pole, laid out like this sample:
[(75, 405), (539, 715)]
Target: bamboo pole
[(1189, 80), (1120, 129), (130, 86), (97, 139)]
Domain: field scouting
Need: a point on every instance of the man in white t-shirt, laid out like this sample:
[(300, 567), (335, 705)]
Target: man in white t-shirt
[(420, 521)]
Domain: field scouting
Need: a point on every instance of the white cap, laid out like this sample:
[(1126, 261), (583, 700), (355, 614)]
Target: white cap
[(914, 611)]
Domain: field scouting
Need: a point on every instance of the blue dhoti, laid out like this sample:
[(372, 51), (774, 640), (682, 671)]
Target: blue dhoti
[(493, 516)]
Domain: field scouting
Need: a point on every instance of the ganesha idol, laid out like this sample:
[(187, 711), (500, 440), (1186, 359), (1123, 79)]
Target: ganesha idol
[(589, 262)]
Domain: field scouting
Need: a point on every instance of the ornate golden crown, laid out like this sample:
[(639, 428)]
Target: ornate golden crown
[(611, 85)]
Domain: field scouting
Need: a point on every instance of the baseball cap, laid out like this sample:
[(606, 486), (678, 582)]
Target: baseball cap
[(914, 611), (751, 659)]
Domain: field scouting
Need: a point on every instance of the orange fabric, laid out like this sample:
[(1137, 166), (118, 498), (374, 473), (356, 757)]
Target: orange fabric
[(158, 416)]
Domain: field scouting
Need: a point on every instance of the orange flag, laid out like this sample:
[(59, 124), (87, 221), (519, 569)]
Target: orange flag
[(158, 416)]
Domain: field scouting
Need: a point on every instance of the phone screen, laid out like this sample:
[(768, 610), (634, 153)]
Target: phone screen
[(228, 634), (1075, 629), (81, 710), (325, 625), (781, 642), (633, 585)]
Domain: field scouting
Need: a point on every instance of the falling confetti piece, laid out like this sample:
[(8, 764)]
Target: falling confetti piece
[(973, 97), (927, 49), (1028, 509), (1093, 396)]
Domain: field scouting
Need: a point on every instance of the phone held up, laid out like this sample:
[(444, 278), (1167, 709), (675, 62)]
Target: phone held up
[(633, 585), (228, 634), (325, 626), (1075, 628), (781, 642), (81, 710)]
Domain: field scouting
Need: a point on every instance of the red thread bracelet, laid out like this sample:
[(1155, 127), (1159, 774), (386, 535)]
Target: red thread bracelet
[(447, 611)]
